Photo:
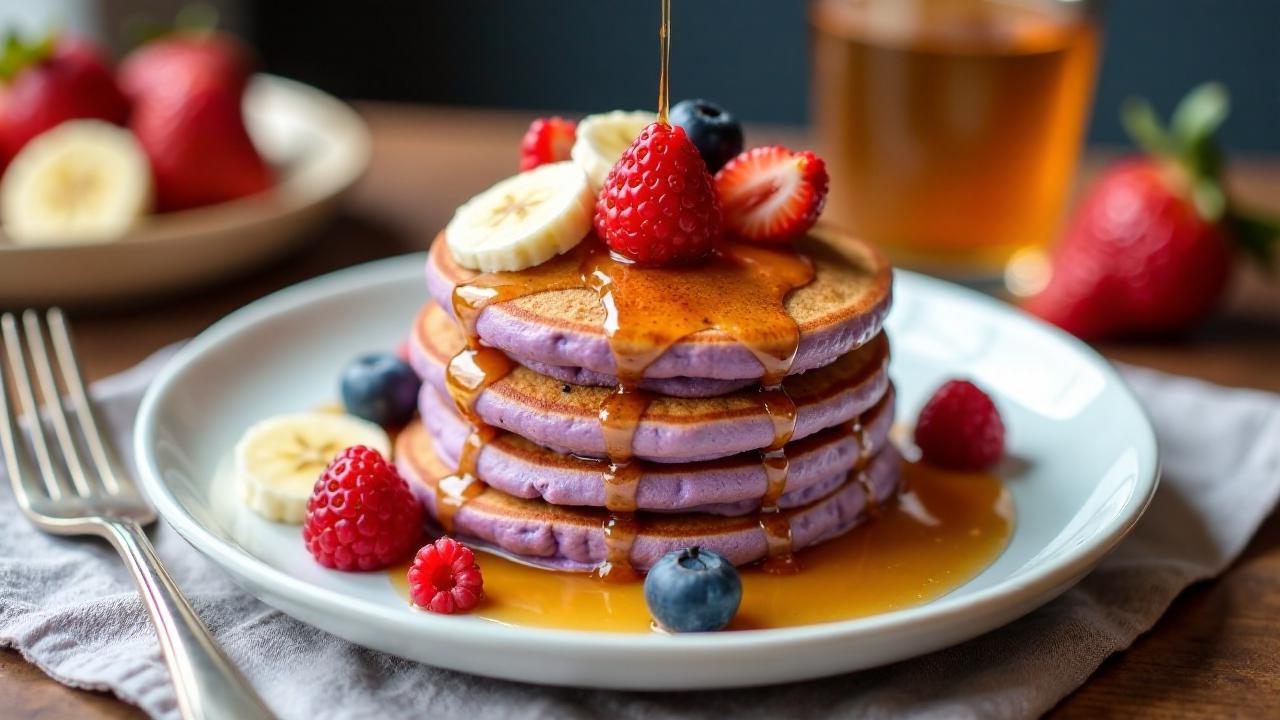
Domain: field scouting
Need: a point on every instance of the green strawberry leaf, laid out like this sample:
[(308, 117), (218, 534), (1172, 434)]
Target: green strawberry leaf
[(1194, 127), (1190, 142), (1200, 113), (1140, 121), (1210, 201), (1256, 237), (138, 30), (197, 17), (19, 53)]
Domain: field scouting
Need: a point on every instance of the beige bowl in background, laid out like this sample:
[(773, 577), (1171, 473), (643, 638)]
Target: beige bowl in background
[(319, 146)]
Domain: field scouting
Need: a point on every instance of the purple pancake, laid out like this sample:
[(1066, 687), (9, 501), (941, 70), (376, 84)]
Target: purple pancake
[(731, 486), (843, 307), (685, 387), (420, 358), (565, 417), (572, 539)]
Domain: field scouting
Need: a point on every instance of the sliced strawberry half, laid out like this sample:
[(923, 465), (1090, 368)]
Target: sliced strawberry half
[(547, 140), (772, 194)]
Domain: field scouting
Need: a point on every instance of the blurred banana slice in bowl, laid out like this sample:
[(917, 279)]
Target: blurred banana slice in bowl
[(116, 250)]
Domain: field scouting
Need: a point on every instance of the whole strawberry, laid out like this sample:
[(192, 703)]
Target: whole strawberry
[(361, 514), (187, 90), (174, 62), (200, 150), (52, 81), (1151, 247), (547, 140), (658, 205)]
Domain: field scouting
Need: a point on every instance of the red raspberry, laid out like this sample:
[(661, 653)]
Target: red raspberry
[(547, 140), (361, 514), (960, 428), (445, 579), (659, 204)]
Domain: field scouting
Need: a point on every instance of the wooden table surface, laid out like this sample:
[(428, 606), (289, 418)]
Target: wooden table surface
[(1217, 651)]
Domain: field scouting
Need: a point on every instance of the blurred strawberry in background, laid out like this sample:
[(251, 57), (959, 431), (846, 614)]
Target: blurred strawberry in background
[(184, 58), (49, 81), (186, 88), (1152, 245), (70, 178)]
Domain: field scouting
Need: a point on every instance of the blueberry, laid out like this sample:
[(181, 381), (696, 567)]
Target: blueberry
[(380, 388), (692, 590), (715, 133)]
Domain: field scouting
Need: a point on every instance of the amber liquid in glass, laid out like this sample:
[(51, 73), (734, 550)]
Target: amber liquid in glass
[(951, 127)]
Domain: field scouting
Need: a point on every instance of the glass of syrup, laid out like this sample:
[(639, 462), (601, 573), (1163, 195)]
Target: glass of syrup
[(951, 128)]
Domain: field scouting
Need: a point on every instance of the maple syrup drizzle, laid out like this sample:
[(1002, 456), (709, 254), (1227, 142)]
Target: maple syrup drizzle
[(860, 433), (664, 64), (639, 334), (619, 417), (472, 370), (738, 290), (453, 491), (781, 410), (780, 557)]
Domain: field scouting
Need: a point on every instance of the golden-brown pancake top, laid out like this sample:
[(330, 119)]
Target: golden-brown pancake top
[(851, 278)]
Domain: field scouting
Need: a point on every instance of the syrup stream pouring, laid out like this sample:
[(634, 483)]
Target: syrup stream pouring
[(740, 290)]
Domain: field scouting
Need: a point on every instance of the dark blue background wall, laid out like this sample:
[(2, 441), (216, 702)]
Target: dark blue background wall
[(588, 55)]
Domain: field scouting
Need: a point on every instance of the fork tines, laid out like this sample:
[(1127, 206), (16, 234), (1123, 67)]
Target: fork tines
[(46, 420)]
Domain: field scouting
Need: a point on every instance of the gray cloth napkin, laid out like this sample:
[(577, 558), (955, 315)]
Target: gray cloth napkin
[(71, 609)]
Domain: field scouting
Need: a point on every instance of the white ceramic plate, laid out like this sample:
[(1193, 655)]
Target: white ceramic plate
[(319, 147), (1084, 468)]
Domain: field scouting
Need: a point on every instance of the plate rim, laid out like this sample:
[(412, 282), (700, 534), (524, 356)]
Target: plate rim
[(1045, 582)]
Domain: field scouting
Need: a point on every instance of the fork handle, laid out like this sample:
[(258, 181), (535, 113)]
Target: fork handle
[(208, 685)]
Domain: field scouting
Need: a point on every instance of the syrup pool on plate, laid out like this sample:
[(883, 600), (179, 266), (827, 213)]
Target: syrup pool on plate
[(941, 532)]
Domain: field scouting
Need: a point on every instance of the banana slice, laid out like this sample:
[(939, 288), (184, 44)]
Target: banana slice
[(279, 459), (603, 138), (84, 181), (523, 220)]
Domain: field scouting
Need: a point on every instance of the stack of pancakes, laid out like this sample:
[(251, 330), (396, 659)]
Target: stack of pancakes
[(704, 440)]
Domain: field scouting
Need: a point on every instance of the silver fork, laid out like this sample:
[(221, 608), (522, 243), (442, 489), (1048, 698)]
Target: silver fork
[(64, 495)]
